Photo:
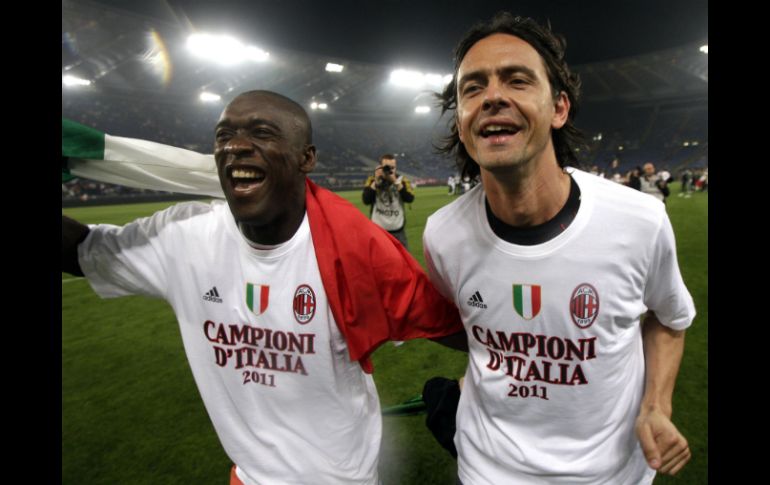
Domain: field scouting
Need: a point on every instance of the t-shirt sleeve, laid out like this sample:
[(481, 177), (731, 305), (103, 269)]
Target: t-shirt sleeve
[(434, 273), (665, 292), (126, 260)]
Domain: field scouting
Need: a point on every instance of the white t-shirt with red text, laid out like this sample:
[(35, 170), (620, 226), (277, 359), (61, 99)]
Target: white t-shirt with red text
[(556, 368), (268, 358)]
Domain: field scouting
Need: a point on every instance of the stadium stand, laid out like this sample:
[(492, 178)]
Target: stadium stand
[(649, 108)]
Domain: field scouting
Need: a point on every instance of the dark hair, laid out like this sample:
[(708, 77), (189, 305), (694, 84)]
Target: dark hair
[(551, 48), (389, 156), (290, 105)]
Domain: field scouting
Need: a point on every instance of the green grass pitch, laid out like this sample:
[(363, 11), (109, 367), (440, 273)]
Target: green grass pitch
[(131, 413)]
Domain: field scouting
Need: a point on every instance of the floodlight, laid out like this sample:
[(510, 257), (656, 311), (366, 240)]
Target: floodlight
[(69, 80), (209, 97), (224, 49)]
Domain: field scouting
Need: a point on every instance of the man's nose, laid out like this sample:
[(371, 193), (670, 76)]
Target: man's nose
[(494, 97), (237, 144)]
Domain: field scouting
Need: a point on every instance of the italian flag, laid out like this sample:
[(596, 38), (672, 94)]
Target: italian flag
[(131, 162), (257, 297), (526, 300)]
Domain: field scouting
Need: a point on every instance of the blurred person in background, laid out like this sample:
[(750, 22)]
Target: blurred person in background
[(386, 192), (613, 173), (652, 183), (634, 178)]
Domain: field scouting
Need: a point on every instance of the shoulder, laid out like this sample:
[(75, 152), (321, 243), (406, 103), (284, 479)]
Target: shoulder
[(194, 209), (618, 201), (187, 215), (460, 210)]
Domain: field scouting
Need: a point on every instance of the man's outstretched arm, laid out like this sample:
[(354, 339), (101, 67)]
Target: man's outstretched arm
[(664, 446), (72, 234)]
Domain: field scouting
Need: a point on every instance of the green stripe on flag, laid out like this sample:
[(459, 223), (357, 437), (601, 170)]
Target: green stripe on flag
[(80, 141), (518, 302), (66, 176), (250, 296)]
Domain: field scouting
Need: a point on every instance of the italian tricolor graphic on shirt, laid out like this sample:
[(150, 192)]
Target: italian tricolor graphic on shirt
[(257, 297), (526, 300)]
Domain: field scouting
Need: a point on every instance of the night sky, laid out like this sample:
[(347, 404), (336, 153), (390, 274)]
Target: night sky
[(422, 34)]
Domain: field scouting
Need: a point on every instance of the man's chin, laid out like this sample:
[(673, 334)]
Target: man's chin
[(500, 164)]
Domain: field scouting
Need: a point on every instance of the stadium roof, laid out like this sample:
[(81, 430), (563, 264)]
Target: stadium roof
[(631, 51)]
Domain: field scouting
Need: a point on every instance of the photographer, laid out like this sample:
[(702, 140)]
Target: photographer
[(387, 191), (653, 184)]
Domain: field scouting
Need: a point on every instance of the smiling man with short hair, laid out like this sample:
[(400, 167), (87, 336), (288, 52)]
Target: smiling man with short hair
[(279, 304)]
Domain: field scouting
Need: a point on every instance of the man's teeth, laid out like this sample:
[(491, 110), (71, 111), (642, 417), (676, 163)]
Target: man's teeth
[(497, 128), (245, 174)]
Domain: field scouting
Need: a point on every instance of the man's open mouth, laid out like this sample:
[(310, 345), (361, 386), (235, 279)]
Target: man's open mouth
[(498, 130), (246, 178)]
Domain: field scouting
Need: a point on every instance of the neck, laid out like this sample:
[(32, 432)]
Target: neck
[(527, 195), (281, 228)]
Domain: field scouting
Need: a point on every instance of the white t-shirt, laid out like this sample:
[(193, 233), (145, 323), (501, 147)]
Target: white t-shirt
[(556, 370), (388, 209), (271, 365)]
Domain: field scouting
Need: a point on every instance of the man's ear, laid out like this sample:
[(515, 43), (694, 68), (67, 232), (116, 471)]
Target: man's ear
[(307, 164), (459, 127), (561, 108)]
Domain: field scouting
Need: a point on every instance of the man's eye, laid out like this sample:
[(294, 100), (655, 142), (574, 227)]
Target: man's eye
[(471, 88), (261, 132)]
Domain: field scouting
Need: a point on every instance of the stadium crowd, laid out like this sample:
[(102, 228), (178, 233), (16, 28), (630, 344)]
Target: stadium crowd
[(348, 147)]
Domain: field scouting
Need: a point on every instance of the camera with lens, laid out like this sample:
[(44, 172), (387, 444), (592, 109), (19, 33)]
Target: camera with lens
[(384, 179)]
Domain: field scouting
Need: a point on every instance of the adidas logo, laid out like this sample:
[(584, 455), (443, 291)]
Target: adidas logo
[(476, 300), (212, 295)]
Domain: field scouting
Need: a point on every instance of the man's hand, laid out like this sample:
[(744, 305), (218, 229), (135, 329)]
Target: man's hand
[(664, 446)]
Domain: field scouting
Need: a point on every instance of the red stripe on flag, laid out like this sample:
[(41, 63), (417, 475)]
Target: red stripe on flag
[(535, 300), (263, 295)]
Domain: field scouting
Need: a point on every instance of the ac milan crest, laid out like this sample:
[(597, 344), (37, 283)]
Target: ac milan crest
[(584, 305), (257, 297), (526, 300), (304, 304)]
